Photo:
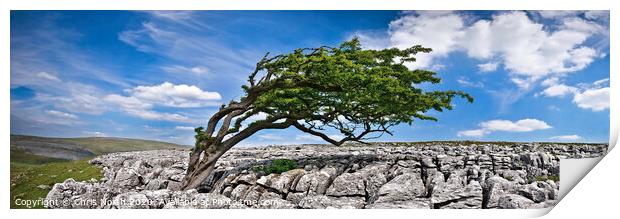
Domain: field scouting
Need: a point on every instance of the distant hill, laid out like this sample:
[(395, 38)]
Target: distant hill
[(23, 146)]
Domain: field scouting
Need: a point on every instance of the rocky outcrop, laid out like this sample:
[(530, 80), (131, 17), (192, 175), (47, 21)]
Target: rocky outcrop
[(382, 175)]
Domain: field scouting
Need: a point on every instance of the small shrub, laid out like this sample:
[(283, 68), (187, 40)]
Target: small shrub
[(509, 178), (276, 166), (554, 178), (541, 178)]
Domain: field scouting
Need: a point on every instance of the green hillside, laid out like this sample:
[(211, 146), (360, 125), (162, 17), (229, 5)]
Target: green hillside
[(37, 163), (79, 148), (104, 145)]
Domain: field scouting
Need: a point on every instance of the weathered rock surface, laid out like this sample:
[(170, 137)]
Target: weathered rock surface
[(381, 175)]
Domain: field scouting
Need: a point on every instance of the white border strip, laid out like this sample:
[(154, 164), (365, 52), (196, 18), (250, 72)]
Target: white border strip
[(310, 5)]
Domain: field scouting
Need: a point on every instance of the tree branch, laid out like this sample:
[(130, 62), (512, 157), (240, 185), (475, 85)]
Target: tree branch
[(255, 127)]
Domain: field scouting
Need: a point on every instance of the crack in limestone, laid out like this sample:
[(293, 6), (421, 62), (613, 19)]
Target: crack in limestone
[(442, 204)]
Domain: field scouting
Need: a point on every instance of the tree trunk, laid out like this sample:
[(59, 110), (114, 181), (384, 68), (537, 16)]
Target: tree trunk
[(193, 179), (198, 170)]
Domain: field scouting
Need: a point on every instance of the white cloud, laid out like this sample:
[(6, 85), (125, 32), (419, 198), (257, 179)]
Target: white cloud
[(307, 137), (557, 13), (185, 128), (550, 81), (600, 82), (487, 127), (566, 137), (185, 18), (138, 108), (75, 97), (528, 50), (472, 133), (142, 99), (270, 137), (34, 117), (597, 15), (199, 70), (586, 96), (593, 99), (257, 117), (166, 34), (172, 15), (48, 76), (488, 67), (96, 134), (559, 90), (152, 129), (127, 102), (576, 23), (373, 39), (314, 138), (553, 108), (465, 82), (61, 115), (439, 31), (523, 125), (169, 94)]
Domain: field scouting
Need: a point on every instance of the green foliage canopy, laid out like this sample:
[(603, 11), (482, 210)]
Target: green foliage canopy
[(360, 93), (347, 88)]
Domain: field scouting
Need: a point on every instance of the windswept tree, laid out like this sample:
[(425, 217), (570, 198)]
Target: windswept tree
[(360, 93)]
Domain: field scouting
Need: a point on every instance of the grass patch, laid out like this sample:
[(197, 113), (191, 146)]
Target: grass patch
[(276, 166), (541, 178), (26, 178), (554, 178)]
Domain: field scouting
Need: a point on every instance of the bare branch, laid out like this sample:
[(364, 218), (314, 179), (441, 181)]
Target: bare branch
[(255, 127), (226, 124), (316, 133)]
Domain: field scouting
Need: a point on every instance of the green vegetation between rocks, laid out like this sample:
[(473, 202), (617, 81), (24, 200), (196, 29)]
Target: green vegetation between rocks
[(276, 166), (31, 182), (554, 178)]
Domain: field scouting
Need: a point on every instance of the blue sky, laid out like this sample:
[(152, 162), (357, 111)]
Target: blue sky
[(535, 75)]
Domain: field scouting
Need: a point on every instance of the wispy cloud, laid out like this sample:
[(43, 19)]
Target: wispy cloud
[(488, 67), (75, 97), (270, 137), (487, 127), (467, 83), (42, 48), (61, 115), (95, 134), (199, 70), (188, 47), (48, 76), (185, 128), (566, 137)]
